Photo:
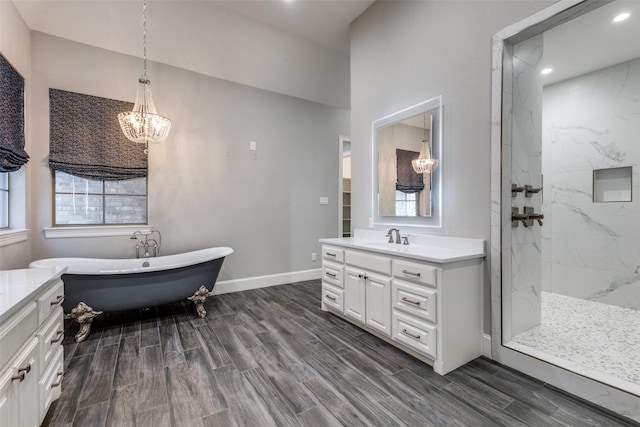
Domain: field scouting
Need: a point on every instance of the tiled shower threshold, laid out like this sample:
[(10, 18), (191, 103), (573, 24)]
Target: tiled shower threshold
[(592, 339)]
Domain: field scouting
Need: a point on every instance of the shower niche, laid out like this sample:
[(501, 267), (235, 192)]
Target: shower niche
[(612, 185)]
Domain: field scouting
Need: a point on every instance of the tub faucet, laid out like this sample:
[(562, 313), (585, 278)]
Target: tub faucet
[(149, 246), (390, 235)]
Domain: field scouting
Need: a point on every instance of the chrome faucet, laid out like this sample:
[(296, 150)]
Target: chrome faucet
[(150, 247), (390, 235)]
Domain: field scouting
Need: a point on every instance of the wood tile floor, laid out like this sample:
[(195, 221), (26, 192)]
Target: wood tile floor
[(271, 357)]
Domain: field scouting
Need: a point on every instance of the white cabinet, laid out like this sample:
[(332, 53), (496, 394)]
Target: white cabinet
[(430, 310), (31, 354), (367, 290), (332, 278)]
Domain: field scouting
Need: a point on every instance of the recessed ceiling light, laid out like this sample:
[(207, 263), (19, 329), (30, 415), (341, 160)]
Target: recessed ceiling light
[(621, 17), (546, 71)]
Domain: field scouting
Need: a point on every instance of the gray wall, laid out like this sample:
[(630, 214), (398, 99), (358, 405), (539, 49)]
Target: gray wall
[(206, 188), (406, 52), (15, 45)]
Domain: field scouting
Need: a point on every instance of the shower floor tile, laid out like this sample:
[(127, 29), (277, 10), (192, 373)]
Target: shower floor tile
[(597, 340)]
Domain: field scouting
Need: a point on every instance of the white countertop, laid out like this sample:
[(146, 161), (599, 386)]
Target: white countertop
[(18, 287), (438, 249)]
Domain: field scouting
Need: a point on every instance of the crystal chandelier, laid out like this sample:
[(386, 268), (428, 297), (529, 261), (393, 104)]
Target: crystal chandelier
[(144, 124), (424, 163)]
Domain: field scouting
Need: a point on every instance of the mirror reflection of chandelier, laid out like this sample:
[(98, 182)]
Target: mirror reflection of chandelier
[(425, 163), (144, 124)]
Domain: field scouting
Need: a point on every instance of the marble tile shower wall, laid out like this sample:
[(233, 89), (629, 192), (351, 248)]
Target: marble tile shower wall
[(592, 122), (526, 169)]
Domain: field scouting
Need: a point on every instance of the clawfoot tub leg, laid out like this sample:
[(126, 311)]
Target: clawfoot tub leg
[(198, 299), (83, 315)]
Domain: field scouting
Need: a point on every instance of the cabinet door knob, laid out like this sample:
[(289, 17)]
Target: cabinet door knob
[(329, 297), (330, 254), (330, 274)]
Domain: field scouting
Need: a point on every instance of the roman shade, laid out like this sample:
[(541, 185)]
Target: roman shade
[(85, 139), (12, 154), (407, 180)]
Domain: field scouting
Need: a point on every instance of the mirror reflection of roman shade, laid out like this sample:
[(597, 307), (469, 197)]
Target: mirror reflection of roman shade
[(407, 180), (85, 139), (12, 153)]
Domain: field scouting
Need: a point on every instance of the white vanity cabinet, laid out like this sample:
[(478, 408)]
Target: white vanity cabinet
[(31, 354), (367, 289), (332, 278), (431, 310)]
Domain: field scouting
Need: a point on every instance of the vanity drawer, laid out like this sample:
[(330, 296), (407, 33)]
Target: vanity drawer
[(50, 300), (413, 299), (332, 274), (333, 298), (419, 336), (370, 262), (16, 331), (50, 336), (50, 383), (415, 272), (333, 254)]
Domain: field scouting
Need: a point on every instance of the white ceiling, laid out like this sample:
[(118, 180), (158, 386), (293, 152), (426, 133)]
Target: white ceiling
[(592, 41)]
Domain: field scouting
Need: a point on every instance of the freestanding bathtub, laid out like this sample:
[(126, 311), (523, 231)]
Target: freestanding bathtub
[(92, 286)]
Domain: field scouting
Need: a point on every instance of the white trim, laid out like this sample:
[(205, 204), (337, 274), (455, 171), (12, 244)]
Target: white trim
[(94, 231), (9, 237), (228, 286), (485, 343)]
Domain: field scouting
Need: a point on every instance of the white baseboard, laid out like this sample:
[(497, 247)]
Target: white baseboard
[(486, 345), (228, 286)]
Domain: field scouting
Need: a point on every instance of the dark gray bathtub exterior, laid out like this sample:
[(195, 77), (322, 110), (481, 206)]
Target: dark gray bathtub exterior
[(117, 292)]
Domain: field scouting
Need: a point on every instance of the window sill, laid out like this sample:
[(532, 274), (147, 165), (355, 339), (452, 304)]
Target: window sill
[(9, 237), (94, 231)]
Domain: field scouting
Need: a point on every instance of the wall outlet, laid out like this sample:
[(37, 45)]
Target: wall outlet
[(253, 146), (314, 257), (324, 200)]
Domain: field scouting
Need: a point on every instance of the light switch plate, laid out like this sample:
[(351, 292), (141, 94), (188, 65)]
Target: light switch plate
[(324, 200)]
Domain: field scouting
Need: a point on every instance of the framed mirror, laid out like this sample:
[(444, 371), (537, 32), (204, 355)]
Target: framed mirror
[(407, 184)]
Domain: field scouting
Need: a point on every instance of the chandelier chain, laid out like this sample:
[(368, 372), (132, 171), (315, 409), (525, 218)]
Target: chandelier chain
[(144, 39)]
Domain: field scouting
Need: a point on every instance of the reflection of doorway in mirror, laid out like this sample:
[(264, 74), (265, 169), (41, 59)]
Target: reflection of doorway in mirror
[(344, 205)]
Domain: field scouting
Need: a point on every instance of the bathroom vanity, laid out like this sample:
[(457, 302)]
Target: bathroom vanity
[(31, 353), (424, 297)]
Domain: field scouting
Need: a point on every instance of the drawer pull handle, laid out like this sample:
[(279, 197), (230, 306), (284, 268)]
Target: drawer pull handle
[(329, 297), (57, 383), (22, 372), (59, 336), (330, 274), (20, 376), (58, 300), (410, 273), (410, 335), (407, 300), (330, 254)]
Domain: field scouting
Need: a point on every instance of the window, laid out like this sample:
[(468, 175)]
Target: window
[(4, 200), (96, 202), (406, 204)]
